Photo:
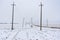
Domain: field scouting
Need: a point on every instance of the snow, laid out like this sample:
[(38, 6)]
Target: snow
[(30, 34)]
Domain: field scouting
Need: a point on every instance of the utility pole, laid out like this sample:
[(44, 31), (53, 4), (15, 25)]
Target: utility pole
[(23, 22), (47, 22), (31, 22), (41, 17), (12, 15)]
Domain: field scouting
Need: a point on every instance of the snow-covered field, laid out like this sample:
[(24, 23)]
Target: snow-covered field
[(30, 34)]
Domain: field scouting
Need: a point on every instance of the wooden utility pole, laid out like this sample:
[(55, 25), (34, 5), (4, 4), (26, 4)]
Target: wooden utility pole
[(31, 22), (12, 15), (47, 22), (41, 17), (23, 23)]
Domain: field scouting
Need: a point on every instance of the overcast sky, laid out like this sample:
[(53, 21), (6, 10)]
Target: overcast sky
[(30, 8)]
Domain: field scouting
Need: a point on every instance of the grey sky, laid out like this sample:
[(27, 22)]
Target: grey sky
[(30, 8)]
